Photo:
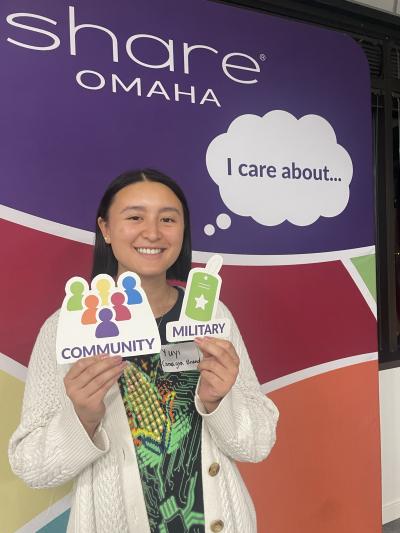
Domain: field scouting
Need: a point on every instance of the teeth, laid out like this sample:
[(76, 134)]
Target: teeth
[(150, 251)]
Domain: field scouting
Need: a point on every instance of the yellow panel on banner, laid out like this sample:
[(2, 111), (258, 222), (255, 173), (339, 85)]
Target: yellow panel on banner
[(18, 503)]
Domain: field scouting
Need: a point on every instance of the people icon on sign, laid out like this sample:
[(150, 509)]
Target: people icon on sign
[(103, 287), (120, 309), (75, 301), (134, 296), (106, 328), (89, 315), (104, 303)]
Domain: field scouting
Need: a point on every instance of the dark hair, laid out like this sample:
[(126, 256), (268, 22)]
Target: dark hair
[(104, 261)]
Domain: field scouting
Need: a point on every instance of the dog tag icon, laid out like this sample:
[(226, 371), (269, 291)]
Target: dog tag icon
[(203, 288)]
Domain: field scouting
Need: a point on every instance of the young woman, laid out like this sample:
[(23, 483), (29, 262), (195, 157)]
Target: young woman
[(148, 450)]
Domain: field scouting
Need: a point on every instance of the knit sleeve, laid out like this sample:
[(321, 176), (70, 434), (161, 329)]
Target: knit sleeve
[(243, 426), (50, 446)]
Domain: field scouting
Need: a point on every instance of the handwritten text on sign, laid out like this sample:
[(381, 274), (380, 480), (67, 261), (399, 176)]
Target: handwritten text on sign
[(179, 357)]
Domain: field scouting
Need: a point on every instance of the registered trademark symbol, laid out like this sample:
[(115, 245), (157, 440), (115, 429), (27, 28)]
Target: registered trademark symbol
[(263, 57)]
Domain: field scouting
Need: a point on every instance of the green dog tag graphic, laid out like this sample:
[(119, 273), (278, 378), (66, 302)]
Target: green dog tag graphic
[(203, 291), (201, 296)]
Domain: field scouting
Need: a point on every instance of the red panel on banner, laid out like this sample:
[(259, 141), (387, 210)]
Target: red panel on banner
[(36, 273), (298, 316)]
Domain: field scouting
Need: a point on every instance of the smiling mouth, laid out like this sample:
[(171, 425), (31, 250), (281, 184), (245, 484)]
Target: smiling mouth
[(149, 251)]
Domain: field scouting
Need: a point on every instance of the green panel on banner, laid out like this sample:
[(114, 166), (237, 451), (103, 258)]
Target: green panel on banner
[(58, 525), (367, 269)]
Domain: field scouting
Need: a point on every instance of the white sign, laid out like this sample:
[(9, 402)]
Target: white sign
[(199, 306), (179, 357), (105, 319)]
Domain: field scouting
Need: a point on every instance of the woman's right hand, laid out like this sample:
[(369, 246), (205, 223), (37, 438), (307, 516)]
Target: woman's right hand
[(86, 384)]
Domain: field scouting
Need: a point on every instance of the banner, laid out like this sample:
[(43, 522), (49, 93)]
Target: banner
[(265, 123)]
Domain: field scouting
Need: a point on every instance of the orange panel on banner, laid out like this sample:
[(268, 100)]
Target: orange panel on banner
[(323, 476)]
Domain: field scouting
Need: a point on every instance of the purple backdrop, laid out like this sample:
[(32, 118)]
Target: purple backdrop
[(58, 165)]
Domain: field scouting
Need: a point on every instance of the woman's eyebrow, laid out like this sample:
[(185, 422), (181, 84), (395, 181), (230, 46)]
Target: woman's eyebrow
[(143, 208), (135, 207), (174, 209)]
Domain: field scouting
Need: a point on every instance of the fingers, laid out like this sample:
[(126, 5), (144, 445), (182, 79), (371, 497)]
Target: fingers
[(221, 349), (85, 370), (219, 369), (81, 365), (86, 384), (91, 375), (104, 381), (99, 394), (214, 381), (212, 366)]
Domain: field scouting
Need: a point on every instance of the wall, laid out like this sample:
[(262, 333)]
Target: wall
[(389, 391)]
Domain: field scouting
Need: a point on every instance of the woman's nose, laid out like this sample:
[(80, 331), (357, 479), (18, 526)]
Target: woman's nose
[(151, 231)]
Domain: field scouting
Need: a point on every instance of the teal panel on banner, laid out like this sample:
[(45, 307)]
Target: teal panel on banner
[(58, 525)]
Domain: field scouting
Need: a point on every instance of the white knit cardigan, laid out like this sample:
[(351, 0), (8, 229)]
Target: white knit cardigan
[(50, 447)]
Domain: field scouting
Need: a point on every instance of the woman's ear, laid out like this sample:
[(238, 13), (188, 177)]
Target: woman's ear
[(104, 229)]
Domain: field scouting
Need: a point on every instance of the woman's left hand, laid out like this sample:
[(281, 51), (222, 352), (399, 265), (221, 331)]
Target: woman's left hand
[(218, 370)]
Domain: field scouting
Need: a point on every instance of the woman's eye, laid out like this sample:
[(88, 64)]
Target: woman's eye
[(134, 217), (167, 219)]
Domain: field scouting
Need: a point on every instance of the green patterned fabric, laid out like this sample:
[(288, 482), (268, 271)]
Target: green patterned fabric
[(166, 431)]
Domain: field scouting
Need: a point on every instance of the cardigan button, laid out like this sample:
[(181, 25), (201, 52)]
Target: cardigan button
[(214, 469), (217, 526)]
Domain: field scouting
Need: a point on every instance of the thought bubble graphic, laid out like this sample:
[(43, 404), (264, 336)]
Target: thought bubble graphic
[(223, 221), (276, 168), (209, 230)]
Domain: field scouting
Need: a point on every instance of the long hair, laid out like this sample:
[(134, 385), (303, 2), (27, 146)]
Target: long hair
[(104, 261)]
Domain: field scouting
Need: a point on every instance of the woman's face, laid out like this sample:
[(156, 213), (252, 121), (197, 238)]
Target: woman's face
[(145, 228)]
